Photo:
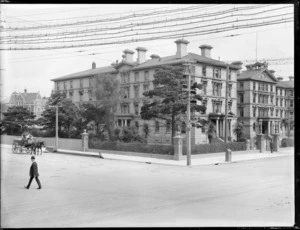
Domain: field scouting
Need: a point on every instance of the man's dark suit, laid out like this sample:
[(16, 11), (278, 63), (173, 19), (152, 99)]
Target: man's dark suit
[(33, 172)]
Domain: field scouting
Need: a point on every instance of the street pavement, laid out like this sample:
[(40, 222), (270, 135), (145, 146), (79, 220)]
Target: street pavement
[(80, 191)]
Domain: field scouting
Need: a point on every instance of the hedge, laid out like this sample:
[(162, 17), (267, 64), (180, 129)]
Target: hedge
[(132, 147), (287, 142), (216, 148)]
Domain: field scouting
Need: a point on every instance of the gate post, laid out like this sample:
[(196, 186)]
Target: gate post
[(275, 142), (85, 140), (178, 147), (260, 142)]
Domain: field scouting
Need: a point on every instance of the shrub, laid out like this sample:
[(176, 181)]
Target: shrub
[(287, 142), (132, 147), (216, 148)]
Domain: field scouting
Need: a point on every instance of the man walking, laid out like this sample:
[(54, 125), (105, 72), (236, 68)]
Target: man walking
[(271, 145), (34, 173)]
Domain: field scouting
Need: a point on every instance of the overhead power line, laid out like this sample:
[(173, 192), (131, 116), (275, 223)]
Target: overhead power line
[(139, 26)]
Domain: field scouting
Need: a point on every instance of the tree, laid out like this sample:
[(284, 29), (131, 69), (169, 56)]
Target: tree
[(106, 92), (239, 131), (16, 118), (68, 114), (168, 99)]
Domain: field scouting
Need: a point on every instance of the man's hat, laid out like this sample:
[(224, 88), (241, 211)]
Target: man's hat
[(32, 158)]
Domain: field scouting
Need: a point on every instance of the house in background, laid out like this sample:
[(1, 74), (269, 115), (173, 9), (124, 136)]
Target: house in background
[(32, 101), (136, 77), (263, 100)]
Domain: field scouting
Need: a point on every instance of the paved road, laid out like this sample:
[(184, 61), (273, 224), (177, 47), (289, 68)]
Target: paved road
[(92, 192)]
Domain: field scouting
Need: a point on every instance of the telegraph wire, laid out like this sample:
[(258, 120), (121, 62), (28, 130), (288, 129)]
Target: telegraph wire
[(135, 33), (158, 37), (132, 25)]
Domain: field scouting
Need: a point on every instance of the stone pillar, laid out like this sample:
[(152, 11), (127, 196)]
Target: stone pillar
[(275, 142), (248, 145), (178, 147), (217, 127), (260, 142), (85, 141)]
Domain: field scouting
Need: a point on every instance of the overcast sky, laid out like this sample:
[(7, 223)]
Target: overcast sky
[(34, 69)]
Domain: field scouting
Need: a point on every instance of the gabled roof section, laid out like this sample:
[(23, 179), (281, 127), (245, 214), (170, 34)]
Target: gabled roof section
[(86, 73), (119, 65), (255, 74), (286, 84), (189, 57), (30, 97)]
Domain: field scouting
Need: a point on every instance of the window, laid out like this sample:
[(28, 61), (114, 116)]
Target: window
[(204, 70), (217, 87), (272, 112), (136, 109), (276, 112), (254, 97), (217, 106), (266, 99), (281, 92), (241, 85), (267, 87), (229, 90), (254, 86), (81, 83), (271, 88), (156, 126), (146, 75), (229, 75), (71, 84), (229, 107), (241, 97), (168, 126), (124, 77), (71, 94), (241, 112), (277, 101), (136, 91), (125, 92), (125, 109), (281, 102), (280, 113), (137, 124), (259, 86), (136, 76), (183, 127), (146, 87), (291, 103), (204, 87), (65, 85), (254, 111), (80, 95), (217, 73), (292, 93), (91, 82), (57, 85), (254, 127), (90, 95), (271, 97)]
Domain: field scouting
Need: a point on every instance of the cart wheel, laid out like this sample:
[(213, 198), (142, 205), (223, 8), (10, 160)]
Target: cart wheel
[(14, 148)]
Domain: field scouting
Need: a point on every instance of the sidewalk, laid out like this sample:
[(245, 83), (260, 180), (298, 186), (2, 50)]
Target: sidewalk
[(201, 159)]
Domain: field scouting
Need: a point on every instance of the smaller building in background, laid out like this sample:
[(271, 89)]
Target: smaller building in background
[(34, 102)]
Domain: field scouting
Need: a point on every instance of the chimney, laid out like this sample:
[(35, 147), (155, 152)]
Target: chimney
[(181, 48), (279, 78), (291, 78), (93, 65), (128, 55), (25, 91), (205, 50), (237, 64), (155, 57), (141, 54)]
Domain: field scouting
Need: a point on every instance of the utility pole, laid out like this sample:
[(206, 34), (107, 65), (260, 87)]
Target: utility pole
[(188, 130), (56, 127), (226, 102)]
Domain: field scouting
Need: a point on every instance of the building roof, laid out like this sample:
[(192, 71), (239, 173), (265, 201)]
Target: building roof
[(255, 75), (285, 84), (189, 57), (28, 98), (86, 73)]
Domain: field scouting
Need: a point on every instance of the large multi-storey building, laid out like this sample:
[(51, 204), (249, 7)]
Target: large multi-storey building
[(262, 100), (136, 77), (32, 101)]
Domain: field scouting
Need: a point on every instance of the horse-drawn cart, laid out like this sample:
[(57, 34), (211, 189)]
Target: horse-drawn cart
[(21, 146)]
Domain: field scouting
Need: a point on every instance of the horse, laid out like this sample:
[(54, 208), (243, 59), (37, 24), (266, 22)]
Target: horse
[(38, 146)]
